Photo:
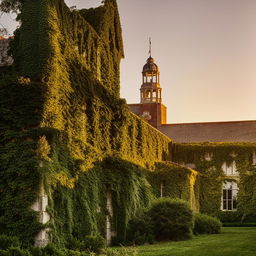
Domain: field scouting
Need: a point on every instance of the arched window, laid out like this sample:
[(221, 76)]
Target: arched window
[(229, 196)]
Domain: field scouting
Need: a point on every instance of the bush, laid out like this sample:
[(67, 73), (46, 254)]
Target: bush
[(204, 224), (74, 244), (94, 243), (14, 251), (230, 216), (52, 250), (140, 230), (8, 241), (36, 251), (171, 219)]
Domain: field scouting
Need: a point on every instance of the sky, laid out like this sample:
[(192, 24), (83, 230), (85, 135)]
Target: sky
[(205, 49)]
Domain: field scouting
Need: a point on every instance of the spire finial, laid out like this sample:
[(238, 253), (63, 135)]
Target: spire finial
[(149, 47)]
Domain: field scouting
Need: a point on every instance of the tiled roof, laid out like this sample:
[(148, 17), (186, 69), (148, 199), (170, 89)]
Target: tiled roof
[(234, 131)]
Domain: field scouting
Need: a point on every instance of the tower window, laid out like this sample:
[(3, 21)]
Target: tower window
[(229, 196)]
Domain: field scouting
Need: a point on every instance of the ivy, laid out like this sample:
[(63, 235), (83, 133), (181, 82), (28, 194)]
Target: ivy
[(212, 175), (63, 125)]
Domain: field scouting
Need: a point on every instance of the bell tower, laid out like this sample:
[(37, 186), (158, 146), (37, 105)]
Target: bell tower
[(150, 107), (150, 91)]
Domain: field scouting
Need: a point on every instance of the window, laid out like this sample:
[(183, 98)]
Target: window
[(230, 170), (229, 196)]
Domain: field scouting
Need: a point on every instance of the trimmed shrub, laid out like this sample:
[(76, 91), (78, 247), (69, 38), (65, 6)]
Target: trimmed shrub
[(74, 244), (8, 241), (204, 224), (230, 216), (172, 219), (52, 250), (36, 251), (93, 243), (140, 230), (14, 251)]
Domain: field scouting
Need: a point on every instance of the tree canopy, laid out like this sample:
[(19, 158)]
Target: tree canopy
[(10, 5)]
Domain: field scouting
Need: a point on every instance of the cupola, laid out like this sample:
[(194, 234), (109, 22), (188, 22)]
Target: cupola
[(150, 90)]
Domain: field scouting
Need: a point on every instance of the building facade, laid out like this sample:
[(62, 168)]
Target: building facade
[(224, 151)]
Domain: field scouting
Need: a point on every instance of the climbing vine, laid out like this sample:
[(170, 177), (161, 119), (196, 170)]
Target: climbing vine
[(208, 159), (176, 181), (62, 121)]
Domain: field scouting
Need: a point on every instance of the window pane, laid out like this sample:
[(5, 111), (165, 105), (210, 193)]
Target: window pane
[(229, 194), (224, 205), (224, 194), (234, 204), (229, 205)]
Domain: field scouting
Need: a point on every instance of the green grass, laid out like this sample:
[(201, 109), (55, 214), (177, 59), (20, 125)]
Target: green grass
[(235, 241)]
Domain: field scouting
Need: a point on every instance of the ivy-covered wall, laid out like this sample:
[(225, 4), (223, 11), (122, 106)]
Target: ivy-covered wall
[(208, 159), (173, 180), (63, 126)]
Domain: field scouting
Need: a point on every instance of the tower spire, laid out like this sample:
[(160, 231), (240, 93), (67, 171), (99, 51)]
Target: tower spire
[(149, 52)]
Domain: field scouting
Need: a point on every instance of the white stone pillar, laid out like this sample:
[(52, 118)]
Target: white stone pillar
[(40, 206), (109, 206)]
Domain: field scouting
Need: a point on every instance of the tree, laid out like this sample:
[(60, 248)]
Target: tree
[(10, 5)]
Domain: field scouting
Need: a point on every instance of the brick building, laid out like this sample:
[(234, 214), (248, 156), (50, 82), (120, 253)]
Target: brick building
[(154, 112), (232, 133)]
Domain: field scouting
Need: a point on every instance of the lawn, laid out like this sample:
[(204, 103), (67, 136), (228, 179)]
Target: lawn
[(239, 241)]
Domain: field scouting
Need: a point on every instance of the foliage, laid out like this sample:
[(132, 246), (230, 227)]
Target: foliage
[(212, 176), (140, 230), (8, 241), (93, 243), (10, 5), (43, 148), (172, 219), (52, 250), (176, 181), (85, 204), (230, 216), (204, 224), (237, 218), (61, 117), (14, 251), (64, 126)]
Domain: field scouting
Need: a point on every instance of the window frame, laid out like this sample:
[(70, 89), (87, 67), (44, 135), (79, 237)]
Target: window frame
[(229, 196)]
